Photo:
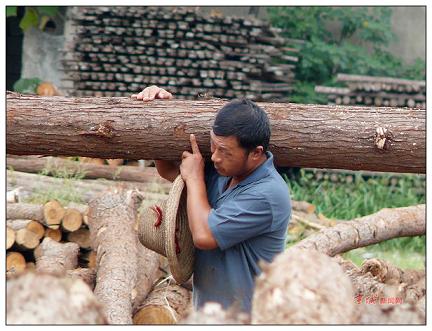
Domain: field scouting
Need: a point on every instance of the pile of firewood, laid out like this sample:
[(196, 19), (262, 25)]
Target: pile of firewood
[(119, 50), (376, 91)]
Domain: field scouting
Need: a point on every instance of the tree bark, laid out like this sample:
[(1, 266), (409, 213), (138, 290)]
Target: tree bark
[(390, 274), (386, 224), (56, 258), (33, 164), (87, 275), (148, 270), (166, 304), (111, 220), (347, 137), (37, 298)]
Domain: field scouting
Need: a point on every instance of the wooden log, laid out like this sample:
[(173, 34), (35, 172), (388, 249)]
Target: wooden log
[(213, 313), (390, 274), (112, 216), (303, 206), (26, 239), (87, 189), (81, 237), (375, 139), (53, 213), (13, 196), (56, 258), (72, 220), (33, 164), (148, 271), (303, 287), (35, 298), (85, 274), (15, 262), (386, 224), (166, 304), (10, 237), (90, 259), (54, 234), (25, 211)]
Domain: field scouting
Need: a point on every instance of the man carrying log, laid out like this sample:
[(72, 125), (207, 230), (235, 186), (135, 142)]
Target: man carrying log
[(238, 207)]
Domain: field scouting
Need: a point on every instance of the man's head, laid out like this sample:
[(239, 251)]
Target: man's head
[(240, 137)]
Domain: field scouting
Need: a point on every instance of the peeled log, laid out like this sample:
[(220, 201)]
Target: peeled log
[(35, 298), (34, 164), (112, 218), (56, 258), (386, 224), (315, 136), (303, 287)]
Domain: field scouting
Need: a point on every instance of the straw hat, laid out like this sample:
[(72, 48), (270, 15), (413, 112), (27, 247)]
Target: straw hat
[(164, 228)]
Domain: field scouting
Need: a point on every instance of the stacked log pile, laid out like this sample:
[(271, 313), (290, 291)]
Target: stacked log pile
[(376, 91), (118, 51)]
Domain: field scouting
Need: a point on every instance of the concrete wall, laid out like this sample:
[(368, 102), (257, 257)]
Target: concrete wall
[(42, 51)]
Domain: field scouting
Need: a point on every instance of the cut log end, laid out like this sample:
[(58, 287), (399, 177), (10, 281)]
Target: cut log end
[(155, 315), (53, 213), (10, 237), (72, 220), (15, 262)]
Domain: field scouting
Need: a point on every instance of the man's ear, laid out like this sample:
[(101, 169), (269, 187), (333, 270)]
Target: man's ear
[(257, 152)]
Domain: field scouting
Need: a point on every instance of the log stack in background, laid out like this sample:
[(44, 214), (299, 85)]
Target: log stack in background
[(376, 91), (117, 51)]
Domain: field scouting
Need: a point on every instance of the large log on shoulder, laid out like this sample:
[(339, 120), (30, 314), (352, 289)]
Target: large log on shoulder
[(316, 136)]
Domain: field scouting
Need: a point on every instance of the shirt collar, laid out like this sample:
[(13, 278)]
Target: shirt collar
[(262, 171)]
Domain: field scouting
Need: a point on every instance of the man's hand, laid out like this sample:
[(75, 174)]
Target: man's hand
[(192, 166), (151, 93)]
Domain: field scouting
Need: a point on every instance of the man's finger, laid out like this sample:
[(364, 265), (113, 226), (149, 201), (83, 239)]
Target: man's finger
[(195, 148), (185, 154), (163, 94)]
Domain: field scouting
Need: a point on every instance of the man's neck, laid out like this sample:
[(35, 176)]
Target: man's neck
[(238, 179)]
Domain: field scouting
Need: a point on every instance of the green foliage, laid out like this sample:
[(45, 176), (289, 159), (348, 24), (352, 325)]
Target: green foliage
[(11, 11), (358, 46), (27, 85), (36, 17), (346, 201)]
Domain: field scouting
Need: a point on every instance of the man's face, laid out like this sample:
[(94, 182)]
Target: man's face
[(228, 157)]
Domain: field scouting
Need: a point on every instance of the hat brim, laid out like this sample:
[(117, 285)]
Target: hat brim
[(179, 247)]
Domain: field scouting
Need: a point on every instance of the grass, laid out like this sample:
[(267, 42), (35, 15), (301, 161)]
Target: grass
[(346, 201), (64, 194)]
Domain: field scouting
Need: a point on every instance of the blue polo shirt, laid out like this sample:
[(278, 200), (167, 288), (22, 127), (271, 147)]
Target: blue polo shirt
[(249, 223)]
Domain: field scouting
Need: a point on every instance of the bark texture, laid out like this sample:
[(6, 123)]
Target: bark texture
[(56, 258), (34, 164), (112, 218), (303, 287), (35, 298), (86, 189), (386, 224), (315, 136), (166, 304)]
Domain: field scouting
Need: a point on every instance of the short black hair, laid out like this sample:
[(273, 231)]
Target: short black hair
[(245, 120)]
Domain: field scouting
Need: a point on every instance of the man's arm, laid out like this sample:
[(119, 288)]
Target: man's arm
[(166, 169), (198, 207)]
